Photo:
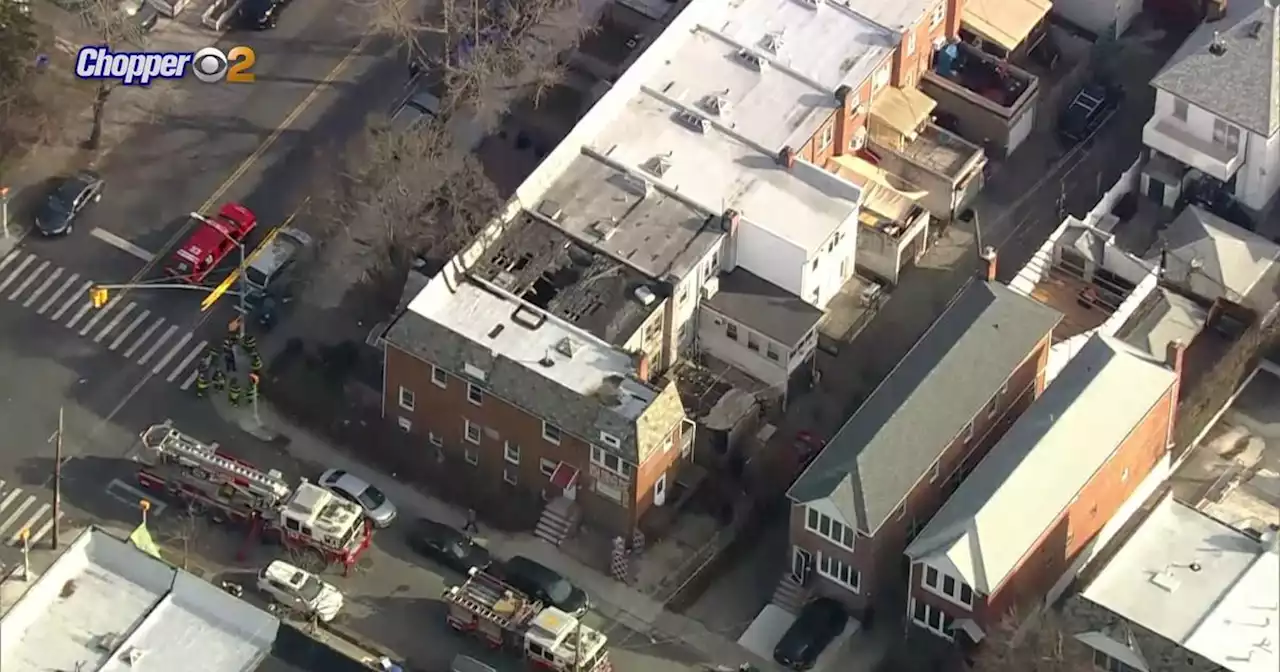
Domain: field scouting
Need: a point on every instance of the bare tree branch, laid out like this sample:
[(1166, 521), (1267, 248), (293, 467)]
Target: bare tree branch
[(1042, 645)]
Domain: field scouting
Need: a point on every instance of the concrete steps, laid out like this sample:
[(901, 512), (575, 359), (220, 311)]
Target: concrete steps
[(559, 520), (790, 595)]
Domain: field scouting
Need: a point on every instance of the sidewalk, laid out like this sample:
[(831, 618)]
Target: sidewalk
[(617, 602)]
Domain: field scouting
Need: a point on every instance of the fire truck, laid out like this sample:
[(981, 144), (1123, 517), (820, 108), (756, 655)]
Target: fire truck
[(504, 617), (317, 527)]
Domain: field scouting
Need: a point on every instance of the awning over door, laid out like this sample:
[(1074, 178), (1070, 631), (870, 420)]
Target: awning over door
[(1004, 22), (903, 110)]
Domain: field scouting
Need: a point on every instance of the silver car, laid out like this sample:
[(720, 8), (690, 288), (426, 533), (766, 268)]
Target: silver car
[(376, 506)]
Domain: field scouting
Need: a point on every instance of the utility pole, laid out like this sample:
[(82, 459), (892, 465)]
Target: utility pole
[(57, 479)]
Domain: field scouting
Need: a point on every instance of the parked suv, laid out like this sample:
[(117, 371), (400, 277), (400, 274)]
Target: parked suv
[(1087, 111)]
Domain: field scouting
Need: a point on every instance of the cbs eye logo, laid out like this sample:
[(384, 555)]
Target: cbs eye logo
[(210, 65)]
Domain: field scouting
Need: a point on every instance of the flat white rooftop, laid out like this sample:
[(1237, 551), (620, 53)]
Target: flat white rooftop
[(535, 340), (896, 15), (717, 169), (103, 600), (1199, 583)]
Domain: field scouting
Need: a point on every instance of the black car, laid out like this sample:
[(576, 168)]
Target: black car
[(260, 14), (69, 197), (819, 623), (1087, 111), (544, 584), (447, 546)]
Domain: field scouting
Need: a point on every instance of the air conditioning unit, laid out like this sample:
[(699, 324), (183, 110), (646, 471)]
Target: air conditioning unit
[(752, 59)]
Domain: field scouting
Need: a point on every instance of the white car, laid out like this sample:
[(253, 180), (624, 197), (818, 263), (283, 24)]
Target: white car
[(300, 590)]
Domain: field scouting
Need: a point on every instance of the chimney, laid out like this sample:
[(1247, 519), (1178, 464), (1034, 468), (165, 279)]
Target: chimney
[(1174, 353), (844, 129), (642, 366), (729, 222), (954, 14), (989, 263), (787, 158)]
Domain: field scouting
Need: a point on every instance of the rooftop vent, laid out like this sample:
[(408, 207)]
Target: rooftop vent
[(638, 185), (645, 295), (717, 103), (566, 347), (1166, 580), (811, 4), (605, 228), (772, 42), (505, 280), (133, 655), (693, 122), (1218, 46), (546, 360), (108, 641), (659, 165), (752, 59), (1254, 29), (550, 209)]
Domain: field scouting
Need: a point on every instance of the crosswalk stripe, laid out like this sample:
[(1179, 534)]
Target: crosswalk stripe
[(191, 378), (186, 361), (115, 322), (26, 504), (143, 338), (9, 500), (2, 482), (9, 258), (48, 282), (168, 334), (129, 330), (22, 287), (44, 529), (27, 525), (168, 356), (71, 301), (84, 310), (17, 271), (98, 316), (44, 307)]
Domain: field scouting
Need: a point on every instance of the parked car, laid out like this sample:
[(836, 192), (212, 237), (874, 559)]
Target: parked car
[(300, 590), (544, 584), (140, 13), (1088, 109), (376, 506), (68, 198), (819, 623), (448, 546), (260, 14)]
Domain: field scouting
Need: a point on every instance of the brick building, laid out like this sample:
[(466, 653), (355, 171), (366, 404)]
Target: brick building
[(1011, 535), (892, 465)]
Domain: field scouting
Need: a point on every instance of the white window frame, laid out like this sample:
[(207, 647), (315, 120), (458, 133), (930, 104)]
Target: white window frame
[(508, 449), (615, 495), (1105, 664), (939, 13), (880, 79), (937, 471), (813, 522), (467, 427), (830, 567), (772, 352), (475, 394), (406, 425), (1227, 131), (611, 463), (547, 467), (753, 341), (939, 588), (660, 487), (610, 440), (968, 432), (510, 476), (911, 41), (471, 455), (828, 134), (435, 439), (554, 436), (439, 376), (406, 400), (941, 630)]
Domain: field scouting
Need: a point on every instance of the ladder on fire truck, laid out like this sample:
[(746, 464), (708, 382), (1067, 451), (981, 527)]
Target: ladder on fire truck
[(493, 600), (204, 461)]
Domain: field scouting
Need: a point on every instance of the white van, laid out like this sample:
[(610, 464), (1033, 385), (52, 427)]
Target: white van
[(300, 591)]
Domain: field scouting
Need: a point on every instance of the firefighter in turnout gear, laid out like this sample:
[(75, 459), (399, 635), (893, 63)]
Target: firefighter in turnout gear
[(202, 375), (233, 392), (251, 392), (249, 342), (219, 379)]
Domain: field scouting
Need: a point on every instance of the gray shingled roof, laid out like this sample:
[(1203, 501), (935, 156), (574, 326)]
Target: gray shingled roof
[(1242, 85), (943, 383), (764, 307)]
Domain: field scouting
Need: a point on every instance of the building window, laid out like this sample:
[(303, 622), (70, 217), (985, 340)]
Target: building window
[(475, 395), (968, 432), (610, 440), (911, 41), (1004, 391), (902, 512), (653, 329), (937, 471), (511, 452), (1104, 662), (439, 377), (472, 431), (511, 475), (472, 456), (603, 458), (547, 467), (1180, 109), (771, 352), (1225, 134), (435, 439), (608, 491), (949, 587), (881, 79), (731, 331), (930, 577), (684, 292), (550, 433), (1124, 475), (406, 425), (993, 408), (838, 571), (753, 342), (824, 526), (828, 132), (939, 13), (406, 398), (933, 619)]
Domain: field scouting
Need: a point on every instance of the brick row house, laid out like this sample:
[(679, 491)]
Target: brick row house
[(1019, 527), (893, 464)]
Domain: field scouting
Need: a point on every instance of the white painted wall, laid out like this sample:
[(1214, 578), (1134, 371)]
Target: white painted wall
[(1099, 15), (771, 257), (1260, 175), (714, 340), (683, 306), (822, 282)]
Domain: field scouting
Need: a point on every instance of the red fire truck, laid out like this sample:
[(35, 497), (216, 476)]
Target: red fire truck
[(504, 617), (211, 241), (319, 528)]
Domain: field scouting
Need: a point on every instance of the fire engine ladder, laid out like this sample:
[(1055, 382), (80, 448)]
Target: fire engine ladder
[(489, 599), (165, 440)]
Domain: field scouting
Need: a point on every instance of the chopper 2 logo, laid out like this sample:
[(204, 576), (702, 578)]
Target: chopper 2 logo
[(139, 68)]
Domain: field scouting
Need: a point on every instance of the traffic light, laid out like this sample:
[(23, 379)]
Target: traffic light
[(99, 296)]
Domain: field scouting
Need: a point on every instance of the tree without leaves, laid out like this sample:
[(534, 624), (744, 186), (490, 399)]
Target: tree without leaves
[(1043, 645), (112, 26), (20, 107)]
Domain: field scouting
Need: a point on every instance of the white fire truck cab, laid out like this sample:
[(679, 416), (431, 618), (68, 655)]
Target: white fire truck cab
[(317, 527)]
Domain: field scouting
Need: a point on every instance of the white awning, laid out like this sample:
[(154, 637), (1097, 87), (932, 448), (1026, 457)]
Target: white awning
[(1005, 22), (972, 629)]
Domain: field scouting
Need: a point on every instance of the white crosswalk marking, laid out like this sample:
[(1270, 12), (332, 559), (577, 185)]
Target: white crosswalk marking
[(62, 289), (44, 530), (9, 259), (168, 356), (97, 317), (13, 518), (18, 514), (22, 287), (168, 334), (143, 338), (84, 310), (48, 282), (71, 301), (191, 378), (115, 322), (9, 500), (17, 271), (35, 518), (186, 361), (129, 329)]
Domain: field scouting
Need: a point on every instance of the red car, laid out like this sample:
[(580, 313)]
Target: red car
[(212, 240)]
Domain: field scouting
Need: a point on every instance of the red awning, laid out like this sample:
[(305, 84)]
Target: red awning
[(565, 475)]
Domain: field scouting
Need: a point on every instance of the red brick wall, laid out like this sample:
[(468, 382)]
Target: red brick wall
[(859, 558), (909, 64)]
